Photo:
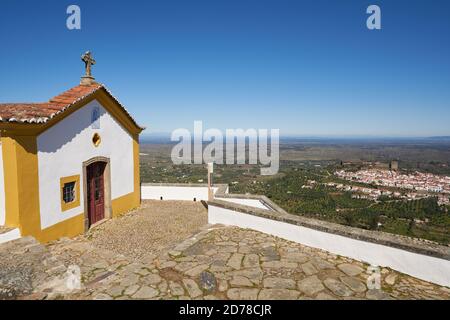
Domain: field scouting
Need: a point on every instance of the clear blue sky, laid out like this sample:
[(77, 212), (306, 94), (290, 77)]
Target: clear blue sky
[(305, 67)]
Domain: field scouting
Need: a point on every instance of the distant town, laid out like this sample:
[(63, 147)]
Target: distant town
[(418, 185)]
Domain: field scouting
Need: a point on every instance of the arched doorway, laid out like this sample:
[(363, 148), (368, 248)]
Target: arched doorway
[(97, 191)]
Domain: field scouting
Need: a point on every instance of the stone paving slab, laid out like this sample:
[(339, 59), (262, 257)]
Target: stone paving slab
[(217, 263), (211, 266)]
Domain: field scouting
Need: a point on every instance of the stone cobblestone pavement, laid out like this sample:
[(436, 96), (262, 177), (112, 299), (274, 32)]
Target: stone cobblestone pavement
[(143, 233), (217, 263)]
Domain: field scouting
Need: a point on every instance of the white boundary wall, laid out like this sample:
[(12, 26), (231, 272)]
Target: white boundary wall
[(421, 266), (246, 202), (10, 235), (150, 192)]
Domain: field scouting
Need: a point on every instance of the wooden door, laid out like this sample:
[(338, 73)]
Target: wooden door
[(96, 192)]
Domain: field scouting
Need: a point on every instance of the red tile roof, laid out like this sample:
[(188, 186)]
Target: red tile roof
[(44, 111)]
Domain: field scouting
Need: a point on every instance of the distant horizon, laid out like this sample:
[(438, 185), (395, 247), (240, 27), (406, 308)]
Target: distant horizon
[(312, 136)]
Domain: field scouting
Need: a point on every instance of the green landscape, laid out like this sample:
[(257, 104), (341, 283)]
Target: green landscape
[(302, 164)]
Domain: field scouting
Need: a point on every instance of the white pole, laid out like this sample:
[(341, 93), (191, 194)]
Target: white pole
[(210, 182)]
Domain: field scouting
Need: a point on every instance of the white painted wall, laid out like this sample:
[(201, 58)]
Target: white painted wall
[(10, 235), (175, 193), (64, 147), (421, 266), (2, 190), (247, 202)]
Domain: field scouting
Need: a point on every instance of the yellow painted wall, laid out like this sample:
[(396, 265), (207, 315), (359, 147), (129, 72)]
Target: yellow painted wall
[(21, 183), (11, 181), (68, 228), (20, 167)]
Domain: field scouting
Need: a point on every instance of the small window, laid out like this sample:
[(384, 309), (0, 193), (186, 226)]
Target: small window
[(69, 192)]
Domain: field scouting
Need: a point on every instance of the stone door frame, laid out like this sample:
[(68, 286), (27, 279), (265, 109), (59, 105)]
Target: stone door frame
[(106, 186)]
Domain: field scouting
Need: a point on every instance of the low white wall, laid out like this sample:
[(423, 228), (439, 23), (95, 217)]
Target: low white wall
[(421, 266), (247, 202), (10, 235), (175, 193)]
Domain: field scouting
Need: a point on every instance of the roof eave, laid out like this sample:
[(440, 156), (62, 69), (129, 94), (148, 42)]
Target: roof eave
[(35, 125)]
